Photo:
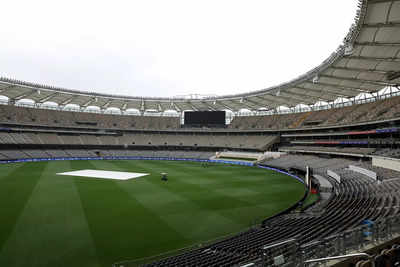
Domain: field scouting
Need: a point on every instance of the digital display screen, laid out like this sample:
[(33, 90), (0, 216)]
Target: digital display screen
[(204, 118)]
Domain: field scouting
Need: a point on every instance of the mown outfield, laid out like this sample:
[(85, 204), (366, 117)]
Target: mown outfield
[(52, 220)]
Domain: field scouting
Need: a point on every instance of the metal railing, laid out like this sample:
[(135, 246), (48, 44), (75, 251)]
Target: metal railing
[(357, 239), (340, 246), (341, 257)]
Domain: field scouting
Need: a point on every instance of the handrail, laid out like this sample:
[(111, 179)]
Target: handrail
[(279, 243), (339, 257)]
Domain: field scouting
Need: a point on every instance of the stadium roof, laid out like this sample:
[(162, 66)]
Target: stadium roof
[(366, 62)]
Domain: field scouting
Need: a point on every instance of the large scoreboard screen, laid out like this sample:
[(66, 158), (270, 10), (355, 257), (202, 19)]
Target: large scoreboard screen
[(204, 118)]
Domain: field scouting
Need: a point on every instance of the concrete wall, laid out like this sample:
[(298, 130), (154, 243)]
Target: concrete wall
[(388, 163), (363, 171)]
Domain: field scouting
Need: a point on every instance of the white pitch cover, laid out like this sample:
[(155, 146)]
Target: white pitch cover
[(105, 174)]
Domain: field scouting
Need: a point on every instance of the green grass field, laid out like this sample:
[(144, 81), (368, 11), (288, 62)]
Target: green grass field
[(52, 220)]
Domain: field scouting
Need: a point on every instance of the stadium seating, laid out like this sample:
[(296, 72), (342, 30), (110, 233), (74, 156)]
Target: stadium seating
[(373, 111), (219, 140), (348, 150), (388, 152), (33, 116), (84, 153)]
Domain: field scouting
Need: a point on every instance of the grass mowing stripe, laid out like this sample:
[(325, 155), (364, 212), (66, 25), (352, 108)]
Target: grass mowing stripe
[(5, 169), (15, 190), (175, 210), (255, 201), (119, 220), (175, 206), (121, 227), (250, 183), (61, 231)]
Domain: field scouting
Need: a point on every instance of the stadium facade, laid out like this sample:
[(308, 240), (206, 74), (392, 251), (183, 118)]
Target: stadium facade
[(342, 120)]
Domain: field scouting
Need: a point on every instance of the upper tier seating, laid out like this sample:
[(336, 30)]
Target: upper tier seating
[(378, 110), (373, 111), (348, 150), (24, 115)]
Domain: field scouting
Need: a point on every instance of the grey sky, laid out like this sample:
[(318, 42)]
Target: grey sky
[(168, 48)]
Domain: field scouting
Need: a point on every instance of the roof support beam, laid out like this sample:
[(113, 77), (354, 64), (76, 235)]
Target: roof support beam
[(308, 96), (182, 106), (287, 95), (123, 108), (268, 101), (69, 100), (275, 101), (24, 95), (258, 104), (142, 106), (325, 92), (384, 59), (88, 103), (286, 100), (233, 105), (314, 97), (376, 44), (192, 106), (225, 106), (347, 89), (247, 105), (209, 106), (359, 69), (175, 107), (7, 88), (380, 25), (377, 83), (47, 98), (197, 105), (381, 1), (159, 107), (107, 104)]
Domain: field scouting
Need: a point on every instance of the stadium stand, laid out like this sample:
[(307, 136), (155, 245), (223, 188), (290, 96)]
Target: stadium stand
[(375, 111), (328, 138), (205, 139), (355, 199), (334, 150), (378, 110), (33, 116), (388, 152), (85, 153)]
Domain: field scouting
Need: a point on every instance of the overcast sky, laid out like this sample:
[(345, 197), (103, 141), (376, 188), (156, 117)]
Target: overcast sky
[(168, 47)]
